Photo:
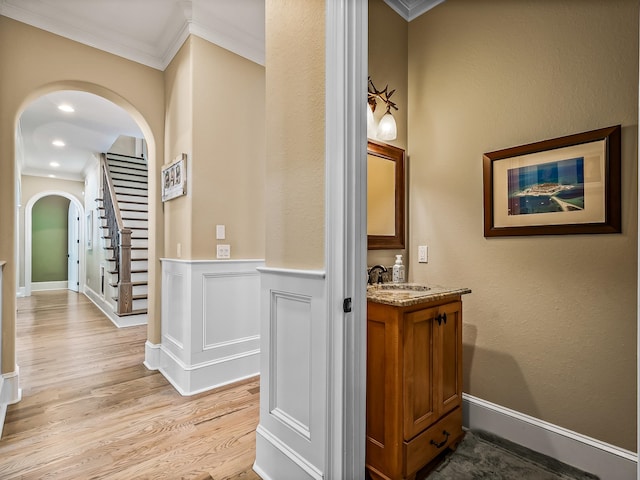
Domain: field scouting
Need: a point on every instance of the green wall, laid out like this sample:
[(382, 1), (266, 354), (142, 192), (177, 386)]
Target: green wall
[(49, 239)]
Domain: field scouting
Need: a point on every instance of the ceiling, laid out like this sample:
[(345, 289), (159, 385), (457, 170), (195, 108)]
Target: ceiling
[(149, 32)]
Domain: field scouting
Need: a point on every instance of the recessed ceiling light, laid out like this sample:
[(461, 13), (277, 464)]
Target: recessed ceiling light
[(54, 164), (52, 176), (65, 107), (58, 143)]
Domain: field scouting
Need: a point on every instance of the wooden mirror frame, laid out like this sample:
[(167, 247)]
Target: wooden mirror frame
[(394, 154)]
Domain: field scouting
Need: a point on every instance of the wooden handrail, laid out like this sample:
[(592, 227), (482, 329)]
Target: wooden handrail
[(120, 239)]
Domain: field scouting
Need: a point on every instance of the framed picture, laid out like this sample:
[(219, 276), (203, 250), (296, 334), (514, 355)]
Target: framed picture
[(566, 185), (174, 178)]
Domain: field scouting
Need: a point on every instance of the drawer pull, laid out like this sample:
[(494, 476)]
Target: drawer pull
[(442, 443)]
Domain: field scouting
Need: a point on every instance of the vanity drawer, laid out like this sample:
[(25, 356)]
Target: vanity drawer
[(427, 445)]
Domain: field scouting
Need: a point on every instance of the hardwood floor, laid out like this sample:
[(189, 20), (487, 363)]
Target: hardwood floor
[(90, 409)]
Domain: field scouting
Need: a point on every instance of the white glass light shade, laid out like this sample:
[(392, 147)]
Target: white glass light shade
[(387, 129), (371, 123)]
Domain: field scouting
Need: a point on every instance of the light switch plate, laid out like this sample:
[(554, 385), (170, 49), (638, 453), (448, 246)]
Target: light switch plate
[(423, 254), (223, 251), (220, 232)]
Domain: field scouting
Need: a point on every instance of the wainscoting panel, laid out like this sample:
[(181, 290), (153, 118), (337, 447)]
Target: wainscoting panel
[(291, 437), (210, 323)]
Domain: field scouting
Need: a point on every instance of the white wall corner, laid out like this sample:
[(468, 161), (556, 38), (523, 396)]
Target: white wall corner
[(599, 458), (10, 393), (152, 355), (210, 323)]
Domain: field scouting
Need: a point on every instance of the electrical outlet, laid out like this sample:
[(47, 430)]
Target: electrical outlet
[(423, 254), (224, 251)]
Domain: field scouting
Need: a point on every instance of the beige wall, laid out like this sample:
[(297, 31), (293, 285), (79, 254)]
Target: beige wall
[(295, 110), (215, 114), (550, 329), (34, 62), (228, 152), (388, 65), (179, 139)]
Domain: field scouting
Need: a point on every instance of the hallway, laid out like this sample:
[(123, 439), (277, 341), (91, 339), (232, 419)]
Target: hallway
[(90, 409)]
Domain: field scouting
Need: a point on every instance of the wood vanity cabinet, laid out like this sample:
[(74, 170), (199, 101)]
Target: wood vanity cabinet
[(414, 385)]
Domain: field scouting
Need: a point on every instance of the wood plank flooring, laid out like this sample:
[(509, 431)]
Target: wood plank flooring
[(91, 410)]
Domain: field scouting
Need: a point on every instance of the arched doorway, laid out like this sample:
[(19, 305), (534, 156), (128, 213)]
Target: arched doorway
[(28, 236)]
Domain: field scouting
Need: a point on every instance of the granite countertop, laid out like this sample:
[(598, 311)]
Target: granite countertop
[(407, 294)]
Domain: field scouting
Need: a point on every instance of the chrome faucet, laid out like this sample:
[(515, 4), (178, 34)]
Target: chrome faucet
[(382, 269)]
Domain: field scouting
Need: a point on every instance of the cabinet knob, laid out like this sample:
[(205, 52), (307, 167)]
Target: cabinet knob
[(442, 317)]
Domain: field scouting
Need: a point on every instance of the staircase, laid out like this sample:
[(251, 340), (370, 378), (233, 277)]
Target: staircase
[(124, 215)]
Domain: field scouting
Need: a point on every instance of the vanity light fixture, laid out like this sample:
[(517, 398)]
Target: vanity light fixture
[(58, 143), (386, 129)]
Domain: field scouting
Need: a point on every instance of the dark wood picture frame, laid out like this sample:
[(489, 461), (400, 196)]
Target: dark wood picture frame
[(499, 167), (396, 155)]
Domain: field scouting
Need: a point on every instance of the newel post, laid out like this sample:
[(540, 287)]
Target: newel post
[(125, 289)]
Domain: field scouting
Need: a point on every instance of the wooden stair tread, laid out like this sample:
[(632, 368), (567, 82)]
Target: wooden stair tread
[(113, 272), (140, 311), (134, 297), (132, 248), (135, 284)]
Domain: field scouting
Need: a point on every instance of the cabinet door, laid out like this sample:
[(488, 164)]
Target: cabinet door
[(420, 376), (448, 358)]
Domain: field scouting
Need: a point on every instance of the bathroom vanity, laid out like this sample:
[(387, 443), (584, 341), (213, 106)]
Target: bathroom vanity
[(414, 377)]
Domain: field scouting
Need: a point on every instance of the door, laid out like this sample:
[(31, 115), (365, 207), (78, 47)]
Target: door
[(73, 251)]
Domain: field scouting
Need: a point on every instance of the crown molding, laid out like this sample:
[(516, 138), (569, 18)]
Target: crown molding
[(189, 17), (412, 9)]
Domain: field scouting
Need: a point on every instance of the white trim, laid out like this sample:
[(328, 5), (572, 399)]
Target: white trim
[(120, 322), (589, 454), (320, 274), (273, 455), (152, 355), (43, 286), (28, 237), (213, 261), (194, 379), (412, 9), (345, 233), (10, 393), (21, 292)]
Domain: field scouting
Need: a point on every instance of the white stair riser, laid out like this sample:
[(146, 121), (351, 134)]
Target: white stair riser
[(126, 162), (139, 277), (119, 170), (130, 191), (138, 215), (135, 253), (137, 203), (140, 290), (139, 304), (135, 223), (117, 183), (133, 207)]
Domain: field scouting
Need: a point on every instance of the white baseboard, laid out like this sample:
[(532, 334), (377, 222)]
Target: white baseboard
[(10, 393), (21, 292), (275, 457), (607, 461), (103, 305), (193, 379), (42, 286), (152, 355)]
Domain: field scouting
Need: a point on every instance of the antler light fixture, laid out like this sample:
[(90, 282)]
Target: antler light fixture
[(386, 128)]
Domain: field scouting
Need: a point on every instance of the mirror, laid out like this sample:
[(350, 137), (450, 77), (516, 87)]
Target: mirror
[(385, 196)]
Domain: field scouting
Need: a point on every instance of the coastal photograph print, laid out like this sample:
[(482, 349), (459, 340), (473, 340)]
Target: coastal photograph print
[(567, 185)]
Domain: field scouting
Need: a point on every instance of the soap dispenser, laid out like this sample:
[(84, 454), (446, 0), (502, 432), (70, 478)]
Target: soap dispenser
[(398, 270)]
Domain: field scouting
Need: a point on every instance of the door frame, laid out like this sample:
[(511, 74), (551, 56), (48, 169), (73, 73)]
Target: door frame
[(346, 60), (28, 211)]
